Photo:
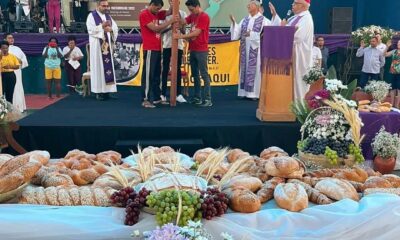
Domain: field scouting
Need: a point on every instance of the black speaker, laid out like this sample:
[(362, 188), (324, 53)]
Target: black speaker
[(24, 27), (78, 27), (341, 20)]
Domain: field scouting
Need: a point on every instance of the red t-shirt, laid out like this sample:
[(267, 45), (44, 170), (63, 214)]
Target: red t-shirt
[(200, 21), (151, 40)]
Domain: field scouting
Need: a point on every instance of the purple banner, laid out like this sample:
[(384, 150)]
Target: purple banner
[(33, 43), (278, 42)]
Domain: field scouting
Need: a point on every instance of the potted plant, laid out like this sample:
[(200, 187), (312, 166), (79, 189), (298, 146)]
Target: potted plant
[(378, 89), (385, 147), (315, 78)]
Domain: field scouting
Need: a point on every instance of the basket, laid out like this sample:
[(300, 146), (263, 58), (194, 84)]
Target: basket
[(314, 161)]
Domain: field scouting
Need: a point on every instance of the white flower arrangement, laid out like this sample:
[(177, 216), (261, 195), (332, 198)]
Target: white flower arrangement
[(334, 85), (378, 89), (313, 75), (385, 144), (4, 108), (366, 33)]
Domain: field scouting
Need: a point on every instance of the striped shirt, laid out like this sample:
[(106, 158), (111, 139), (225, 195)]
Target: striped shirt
[(373, 59)]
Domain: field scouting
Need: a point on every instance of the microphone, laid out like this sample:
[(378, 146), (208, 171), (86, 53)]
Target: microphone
[(289, 12)]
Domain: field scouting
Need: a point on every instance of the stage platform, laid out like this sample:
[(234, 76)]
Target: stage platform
[(121, 124)]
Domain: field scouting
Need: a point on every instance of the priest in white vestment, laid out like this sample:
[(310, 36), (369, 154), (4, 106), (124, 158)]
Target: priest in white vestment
[(103, 32), (19, 95), (249, 31), (303, 42)]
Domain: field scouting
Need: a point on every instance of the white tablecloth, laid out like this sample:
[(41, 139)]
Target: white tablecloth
[(374, 217)]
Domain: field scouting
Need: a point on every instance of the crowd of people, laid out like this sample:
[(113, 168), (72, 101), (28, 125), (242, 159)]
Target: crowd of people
[(46, 14)]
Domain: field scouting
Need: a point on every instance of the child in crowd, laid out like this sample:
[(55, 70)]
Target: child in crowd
[(53, 55)]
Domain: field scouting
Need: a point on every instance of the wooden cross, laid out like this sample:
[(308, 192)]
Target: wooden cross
[(174, 55)]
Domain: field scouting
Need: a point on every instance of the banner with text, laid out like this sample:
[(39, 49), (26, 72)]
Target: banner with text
[(223, 66)]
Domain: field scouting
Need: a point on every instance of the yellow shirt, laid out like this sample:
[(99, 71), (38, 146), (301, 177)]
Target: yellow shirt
[(9, 60)]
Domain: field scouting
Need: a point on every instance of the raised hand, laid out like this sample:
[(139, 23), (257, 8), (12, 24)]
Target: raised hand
[(272, 9), (233, 20)]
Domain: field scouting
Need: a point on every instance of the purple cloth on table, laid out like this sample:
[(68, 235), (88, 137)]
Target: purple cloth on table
[(278, 42), (372, 123)]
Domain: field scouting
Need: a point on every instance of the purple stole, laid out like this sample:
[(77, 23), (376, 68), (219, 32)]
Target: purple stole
[(105, 50), (249, 66), (295, 21)]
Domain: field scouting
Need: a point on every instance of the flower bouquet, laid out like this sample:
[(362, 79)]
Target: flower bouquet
[(378, 89), (313, 75), (193, 231), (366, 33), (385, 147), (331, 131)]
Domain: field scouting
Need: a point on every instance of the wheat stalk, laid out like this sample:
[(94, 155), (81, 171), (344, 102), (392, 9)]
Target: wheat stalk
[(238, 166), (212, 163), (351, 116)]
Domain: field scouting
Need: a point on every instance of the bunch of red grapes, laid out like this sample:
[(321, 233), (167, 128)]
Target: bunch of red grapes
[(132, 201), (215, 203)]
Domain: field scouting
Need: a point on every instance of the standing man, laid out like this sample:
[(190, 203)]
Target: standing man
[(324, 52), (249, 32), (151, 35), (103, 32), (317, 57), (19, 95), (198, 45), (124, 64), (373, 61), (381, 47), (167, 46), (303, 42)]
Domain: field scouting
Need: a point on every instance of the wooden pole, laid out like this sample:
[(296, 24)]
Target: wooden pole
[(174, 55)]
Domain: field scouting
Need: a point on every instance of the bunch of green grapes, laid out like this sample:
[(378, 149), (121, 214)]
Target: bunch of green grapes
[(166, 205), (301, 145), (331, 155), (356, 151)]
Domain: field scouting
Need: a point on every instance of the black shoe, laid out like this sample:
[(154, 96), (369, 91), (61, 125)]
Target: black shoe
[(100, 97), (207, 103), (195, 101)]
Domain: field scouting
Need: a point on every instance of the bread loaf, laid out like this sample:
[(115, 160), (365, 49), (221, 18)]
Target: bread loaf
[(202, 154), (272, 152), (245, 181), (285, 167), (108, 157), (19, 170), (314, 195), (242, 200), (266, 192), (356, 174), (369, 191), (364, 102), (87, 176), (337, 189), (393, 179), (322, 173), (55, 179), (310, 180), (257, 169), (357, 185), (290, 196), (78, 154), (108, 180), (377, 182), (67, 196), (4, 158), (371, 172), (236, 154)]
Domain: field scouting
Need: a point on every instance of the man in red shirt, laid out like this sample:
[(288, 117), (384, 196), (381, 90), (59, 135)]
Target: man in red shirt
[(198, 45), (151, 37)]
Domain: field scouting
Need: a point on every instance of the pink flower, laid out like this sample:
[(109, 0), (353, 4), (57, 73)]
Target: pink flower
[(323, 94)]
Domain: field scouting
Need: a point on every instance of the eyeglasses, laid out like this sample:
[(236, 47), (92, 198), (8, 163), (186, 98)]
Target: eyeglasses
[(296, 3)]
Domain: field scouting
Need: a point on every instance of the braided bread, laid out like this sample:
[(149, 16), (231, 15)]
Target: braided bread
[(314, 195), (266, 192), (87, 176), (19, 170), (107, 156), (67, 196)]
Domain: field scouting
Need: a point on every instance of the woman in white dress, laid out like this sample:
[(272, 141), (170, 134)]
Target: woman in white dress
[(19, 95)]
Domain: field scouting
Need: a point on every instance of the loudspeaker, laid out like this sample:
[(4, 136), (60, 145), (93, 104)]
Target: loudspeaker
[(341, 20), (78, 27), (24, 27)]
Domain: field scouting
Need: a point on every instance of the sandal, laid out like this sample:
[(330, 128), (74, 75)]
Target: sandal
[(147, 104)]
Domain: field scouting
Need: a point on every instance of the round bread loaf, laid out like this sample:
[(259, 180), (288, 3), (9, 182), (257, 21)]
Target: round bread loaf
[(285, 167), (291, 196), (272, 152)]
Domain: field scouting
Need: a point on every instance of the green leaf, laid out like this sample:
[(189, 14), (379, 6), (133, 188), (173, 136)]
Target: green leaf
[(300, 109), (347, 93), (331, 74)]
